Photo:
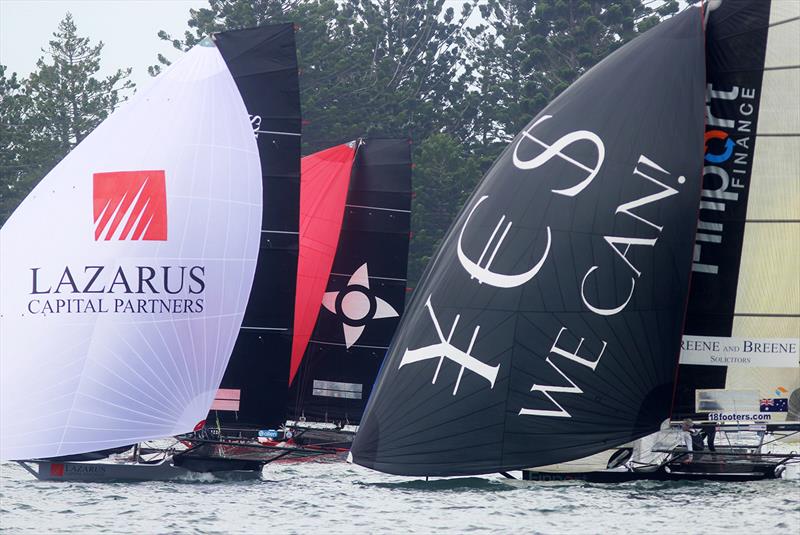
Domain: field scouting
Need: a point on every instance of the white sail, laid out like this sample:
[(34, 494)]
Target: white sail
[(126, 272), (748, 263), (768, 293)]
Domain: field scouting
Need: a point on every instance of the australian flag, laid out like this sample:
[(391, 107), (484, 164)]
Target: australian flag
[(775, 405)]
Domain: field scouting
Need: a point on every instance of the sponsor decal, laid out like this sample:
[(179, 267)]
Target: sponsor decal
[(227, 399), (774, 405), (71, 468), (57, 469), (98, 289), (255, 123), (334, 389), (739, 416), (130, 205), (780, 391), (743, 352), (356, 305), (731, 114)]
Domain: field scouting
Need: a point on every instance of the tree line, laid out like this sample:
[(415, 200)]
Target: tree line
[(459, 78)]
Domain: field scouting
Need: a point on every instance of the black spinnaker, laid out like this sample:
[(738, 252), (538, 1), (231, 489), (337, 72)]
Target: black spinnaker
[(548, 325), (366, 290), (263, 63)]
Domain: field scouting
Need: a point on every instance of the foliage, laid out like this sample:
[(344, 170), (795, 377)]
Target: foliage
[(531, 50), (367, 67), (444, 177), (47, 115), (458, 82)]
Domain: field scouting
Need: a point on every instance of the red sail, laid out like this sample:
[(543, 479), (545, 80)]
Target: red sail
[(324, 178)]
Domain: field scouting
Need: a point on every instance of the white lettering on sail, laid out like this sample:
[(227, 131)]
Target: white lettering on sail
[(547, 390), (484, 274), (616, 241), (613, 241), (255, 122), (555, 150), (604, 311), (444, 349), (667, 192)]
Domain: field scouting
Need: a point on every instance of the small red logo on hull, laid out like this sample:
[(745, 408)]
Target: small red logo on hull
[(130, 205), (57, 470)]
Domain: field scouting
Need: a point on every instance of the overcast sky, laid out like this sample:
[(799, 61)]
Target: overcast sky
[(127, 27)]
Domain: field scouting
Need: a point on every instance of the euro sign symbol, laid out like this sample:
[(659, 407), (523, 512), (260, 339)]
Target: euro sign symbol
[(555, 150), (444, 350), (483, 273)]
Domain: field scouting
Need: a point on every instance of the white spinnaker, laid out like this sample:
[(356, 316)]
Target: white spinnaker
[(73, 382), (768, 292)]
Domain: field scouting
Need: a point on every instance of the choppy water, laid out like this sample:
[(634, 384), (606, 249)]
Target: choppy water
[(334, 497)]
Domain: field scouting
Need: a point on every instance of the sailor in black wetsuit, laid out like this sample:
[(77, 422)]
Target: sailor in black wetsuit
[(708, 430)]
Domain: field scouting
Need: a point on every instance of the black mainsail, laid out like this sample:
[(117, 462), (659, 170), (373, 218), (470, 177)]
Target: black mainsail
[(742, 336), (263, 63), (548, 326), (366, 289)]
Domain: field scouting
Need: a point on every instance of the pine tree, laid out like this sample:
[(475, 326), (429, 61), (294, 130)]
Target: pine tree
[(531, 50), (56, 108), (375, 67)]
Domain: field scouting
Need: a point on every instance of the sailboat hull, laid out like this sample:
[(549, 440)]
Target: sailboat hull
[(110, 471), (706, 467)]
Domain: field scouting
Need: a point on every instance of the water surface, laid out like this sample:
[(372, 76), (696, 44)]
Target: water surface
[(335, 497)]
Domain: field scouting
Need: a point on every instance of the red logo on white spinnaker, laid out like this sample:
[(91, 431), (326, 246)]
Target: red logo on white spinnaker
[(130, 205)]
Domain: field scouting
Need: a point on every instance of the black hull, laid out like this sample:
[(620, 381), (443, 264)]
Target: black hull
[(673, 472), (203, 464), (334, 439), (106, 472)]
